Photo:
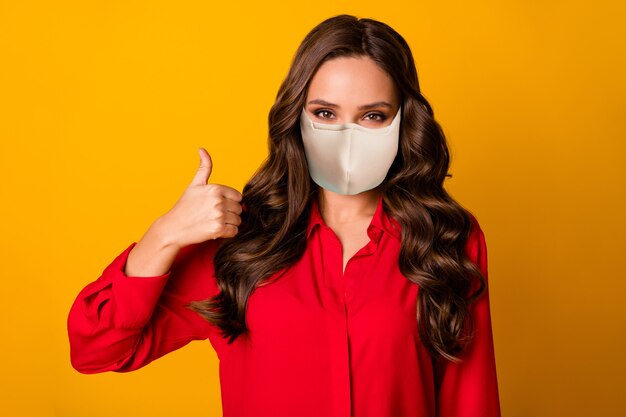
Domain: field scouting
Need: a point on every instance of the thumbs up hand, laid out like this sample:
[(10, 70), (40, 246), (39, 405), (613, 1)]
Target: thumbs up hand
[(205, 211)]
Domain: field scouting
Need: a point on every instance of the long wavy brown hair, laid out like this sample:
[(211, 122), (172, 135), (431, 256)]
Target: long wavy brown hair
[(277, 199)]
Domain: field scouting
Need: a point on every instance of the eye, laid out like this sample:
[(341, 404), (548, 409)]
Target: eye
[(380, 117), (318, 112)]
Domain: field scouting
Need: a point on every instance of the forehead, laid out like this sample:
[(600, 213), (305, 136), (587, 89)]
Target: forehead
[(351, 81)]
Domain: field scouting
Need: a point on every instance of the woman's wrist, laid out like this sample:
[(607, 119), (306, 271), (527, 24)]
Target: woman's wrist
[(154, 254), (162, 233)]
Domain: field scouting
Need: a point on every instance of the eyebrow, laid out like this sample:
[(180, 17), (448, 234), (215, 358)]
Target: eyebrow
[(363, 107)]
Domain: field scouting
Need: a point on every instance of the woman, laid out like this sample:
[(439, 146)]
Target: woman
[(344, 281)]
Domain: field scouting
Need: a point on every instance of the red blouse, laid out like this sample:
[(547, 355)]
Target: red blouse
[(321, 342)]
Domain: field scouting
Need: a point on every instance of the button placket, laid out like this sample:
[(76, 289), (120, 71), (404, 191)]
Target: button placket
[(343, 371)]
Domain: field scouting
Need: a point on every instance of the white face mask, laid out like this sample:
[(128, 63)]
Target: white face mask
[(349, 158)]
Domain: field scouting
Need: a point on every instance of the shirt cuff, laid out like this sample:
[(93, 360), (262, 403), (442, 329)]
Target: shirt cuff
[(135, 297)]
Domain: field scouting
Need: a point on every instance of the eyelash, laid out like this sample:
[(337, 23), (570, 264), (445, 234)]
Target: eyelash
[(382, 116)]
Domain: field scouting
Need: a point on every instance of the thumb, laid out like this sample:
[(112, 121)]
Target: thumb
[(205, 168)]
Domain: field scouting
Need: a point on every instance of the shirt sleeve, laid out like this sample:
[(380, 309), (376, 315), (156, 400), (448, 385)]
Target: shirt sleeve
[(470, 388), (121, 323)]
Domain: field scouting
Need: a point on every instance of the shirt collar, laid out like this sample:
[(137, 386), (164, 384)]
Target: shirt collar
[(381, 222)]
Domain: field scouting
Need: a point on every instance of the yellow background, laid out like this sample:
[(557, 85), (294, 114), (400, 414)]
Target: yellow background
[(103, 105)]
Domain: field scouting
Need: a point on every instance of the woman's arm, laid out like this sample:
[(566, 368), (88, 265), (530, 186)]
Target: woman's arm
[(121, 323), (470, 388)]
